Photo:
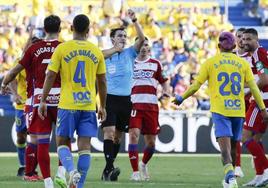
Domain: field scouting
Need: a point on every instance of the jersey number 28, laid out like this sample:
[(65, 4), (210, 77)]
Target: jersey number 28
[(235, 79)]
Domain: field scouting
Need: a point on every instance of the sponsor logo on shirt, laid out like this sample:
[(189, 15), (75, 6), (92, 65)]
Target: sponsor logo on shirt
[(143, 74), (82, 97)]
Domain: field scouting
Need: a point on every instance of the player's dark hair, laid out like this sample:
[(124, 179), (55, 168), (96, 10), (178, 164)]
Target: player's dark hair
[(81, 23), (113, 31), (251, 31), (52, 24), (241, 29)]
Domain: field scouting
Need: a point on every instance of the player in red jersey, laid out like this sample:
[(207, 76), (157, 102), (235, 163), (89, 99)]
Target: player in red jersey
[(245, 55), (35, 61), (144, 115), (255, 127), (30, 150), (19, 89)]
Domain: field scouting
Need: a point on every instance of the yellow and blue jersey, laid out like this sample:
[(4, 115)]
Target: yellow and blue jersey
[(21, 89), (78, 63), (226, 74)]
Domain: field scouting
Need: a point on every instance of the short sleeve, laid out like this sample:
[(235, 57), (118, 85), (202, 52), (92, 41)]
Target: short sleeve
[(262, 63), (55, 61), (160, 76), (26, 58), (101, 66)]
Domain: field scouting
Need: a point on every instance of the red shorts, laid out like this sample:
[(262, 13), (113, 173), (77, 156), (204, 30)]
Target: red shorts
[(254, 121), (247, 104), (28, 112), (42, 127), (146, 121)]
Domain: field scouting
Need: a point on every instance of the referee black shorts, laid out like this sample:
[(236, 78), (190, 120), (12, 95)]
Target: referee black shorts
[(118, 110)]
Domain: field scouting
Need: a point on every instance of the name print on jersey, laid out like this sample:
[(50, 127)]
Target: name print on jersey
[(86, 53), (44, 50)]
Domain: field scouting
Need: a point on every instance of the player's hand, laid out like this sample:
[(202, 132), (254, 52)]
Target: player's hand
[(5, 90), (42, 110), (131, 14), (102, 114), (17, 99), (264, 115), (178, 100)]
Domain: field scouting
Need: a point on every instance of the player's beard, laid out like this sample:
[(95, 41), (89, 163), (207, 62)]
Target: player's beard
[(248, 48)]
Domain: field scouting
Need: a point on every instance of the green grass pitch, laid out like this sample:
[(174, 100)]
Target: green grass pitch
[(166, 171)]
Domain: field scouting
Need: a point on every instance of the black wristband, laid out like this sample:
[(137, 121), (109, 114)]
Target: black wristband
[(134, 20)]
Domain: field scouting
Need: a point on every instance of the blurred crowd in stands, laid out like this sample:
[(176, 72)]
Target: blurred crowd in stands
[(181, 37), (257, 8)]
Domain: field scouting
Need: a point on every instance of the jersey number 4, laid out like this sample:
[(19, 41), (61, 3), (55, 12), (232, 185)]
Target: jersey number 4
[(79, 75), (235, 79)]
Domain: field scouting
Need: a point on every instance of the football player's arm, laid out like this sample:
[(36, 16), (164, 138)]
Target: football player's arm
[(10, 76), (263, 80), (102, 90), (49, 81), (263, 77), (257, 96), (13, 85), (166, 87), (189, 92), (262, 70), (199, 80)]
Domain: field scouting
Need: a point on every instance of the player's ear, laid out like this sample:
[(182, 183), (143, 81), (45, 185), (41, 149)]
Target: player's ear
[(72, 28), (219, 45), (59, 29)]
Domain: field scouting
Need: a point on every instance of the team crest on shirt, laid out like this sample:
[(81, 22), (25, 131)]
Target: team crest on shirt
[(259, 65)]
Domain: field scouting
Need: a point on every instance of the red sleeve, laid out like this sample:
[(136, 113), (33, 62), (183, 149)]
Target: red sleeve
[(159, 74), (262, 56), (26, 58)]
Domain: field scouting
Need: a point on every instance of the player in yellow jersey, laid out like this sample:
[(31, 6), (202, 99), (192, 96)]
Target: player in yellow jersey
[(226, 74), (18, 90), (79, 63)]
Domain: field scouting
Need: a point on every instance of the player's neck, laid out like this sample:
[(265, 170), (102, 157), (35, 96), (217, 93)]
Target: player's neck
[(142, 57), (240, 51), (79, 37), (52, 36)]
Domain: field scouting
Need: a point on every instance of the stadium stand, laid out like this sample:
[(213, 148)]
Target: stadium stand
[(183, 34), (238, 17)]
